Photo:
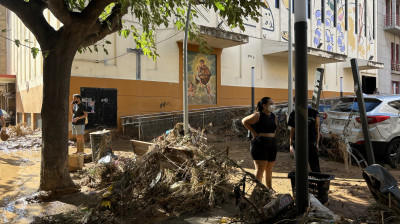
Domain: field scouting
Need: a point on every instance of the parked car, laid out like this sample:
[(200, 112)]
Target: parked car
[(383, 121)]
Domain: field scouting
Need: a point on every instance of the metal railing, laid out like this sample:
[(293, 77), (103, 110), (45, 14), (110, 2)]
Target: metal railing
[(148, 126), (395, 65), (388, 19)]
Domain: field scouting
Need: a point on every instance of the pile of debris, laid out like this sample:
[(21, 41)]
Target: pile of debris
[(23, 137), (20, 129), (181, 174)]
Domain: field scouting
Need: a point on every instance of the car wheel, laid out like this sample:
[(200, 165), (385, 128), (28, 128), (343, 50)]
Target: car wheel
[(393, 153)]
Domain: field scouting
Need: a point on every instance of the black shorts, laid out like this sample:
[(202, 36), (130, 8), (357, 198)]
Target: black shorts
[(263, 148)]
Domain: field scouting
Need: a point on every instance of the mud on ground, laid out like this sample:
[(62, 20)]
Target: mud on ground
[(348, 195)]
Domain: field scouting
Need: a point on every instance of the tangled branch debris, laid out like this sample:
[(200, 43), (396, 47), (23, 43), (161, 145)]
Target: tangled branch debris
[(21, 129), (181, 174)]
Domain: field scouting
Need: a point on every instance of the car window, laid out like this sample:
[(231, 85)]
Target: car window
[(395, 104), (351, 104)]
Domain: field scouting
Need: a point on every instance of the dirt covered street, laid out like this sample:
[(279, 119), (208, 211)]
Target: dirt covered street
[(349, 195)]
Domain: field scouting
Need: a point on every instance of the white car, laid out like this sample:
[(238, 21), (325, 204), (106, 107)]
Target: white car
[(383, 119)]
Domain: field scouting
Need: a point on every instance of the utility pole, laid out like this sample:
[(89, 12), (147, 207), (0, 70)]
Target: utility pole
[(252, 89), (185, 73), (301, 88), (290, 62)]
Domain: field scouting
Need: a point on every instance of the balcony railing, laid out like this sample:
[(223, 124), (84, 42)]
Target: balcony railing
[(395, 65), (388, 19)]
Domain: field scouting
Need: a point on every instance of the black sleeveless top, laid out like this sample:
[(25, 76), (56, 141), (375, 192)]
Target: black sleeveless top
[(266, 124)]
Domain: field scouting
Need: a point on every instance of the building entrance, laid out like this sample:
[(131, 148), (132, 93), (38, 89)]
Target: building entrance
[(101, 105)]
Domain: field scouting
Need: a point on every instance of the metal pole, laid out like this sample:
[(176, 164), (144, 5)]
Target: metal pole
[(363, 114), (185, 75), (301, 88), (341, 86), (290, 68), (252, 89)]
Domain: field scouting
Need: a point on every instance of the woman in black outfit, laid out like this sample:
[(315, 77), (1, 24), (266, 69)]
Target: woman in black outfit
[(262, 125)]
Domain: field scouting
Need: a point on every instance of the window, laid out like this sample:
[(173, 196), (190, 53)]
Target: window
[(38, 121), (397, 53), (346, 15), (28, 119), (388, 7), (20, 118), (322, 11), (356, 20), (395, 88), (392, 51), (277, 4), (395, 104), (349, 104)]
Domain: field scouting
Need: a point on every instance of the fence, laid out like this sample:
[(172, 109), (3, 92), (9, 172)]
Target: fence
[(148, 126)]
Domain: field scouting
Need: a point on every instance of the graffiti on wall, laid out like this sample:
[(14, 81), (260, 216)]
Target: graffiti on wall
[(370, 34), (285, 35), (351, 33), (329, 20), (202, 87), (317, 33), (341, 42), (268, 17), (361, 26)]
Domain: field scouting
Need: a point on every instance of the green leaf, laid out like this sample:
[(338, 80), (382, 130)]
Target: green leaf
[(108, 42), (4, 30), (80, 51), (17, 42), (220, 6), (95, 48), (46, 53), (34, 52)]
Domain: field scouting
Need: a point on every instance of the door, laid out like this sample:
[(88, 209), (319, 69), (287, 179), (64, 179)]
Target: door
[(368, 84), (101, 104)]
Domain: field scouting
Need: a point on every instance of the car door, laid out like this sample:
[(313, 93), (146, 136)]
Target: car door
[(391, 129)]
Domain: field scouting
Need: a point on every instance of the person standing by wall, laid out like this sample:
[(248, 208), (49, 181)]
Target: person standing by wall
[(79, 115), (313, 137), (262, 125)]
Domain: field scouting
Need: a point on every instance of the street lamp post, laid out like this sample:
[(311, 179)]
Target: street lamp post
[(301, 90), (185, 74)]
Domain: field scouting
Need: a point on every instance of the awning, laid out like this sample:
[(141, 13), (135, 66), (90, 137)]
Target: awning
[(364, 64), (8, 78), (218, 38), (271, 48)]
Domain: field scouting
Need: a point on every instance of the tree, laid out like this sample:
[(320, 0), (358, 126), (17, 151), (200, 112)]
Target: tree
[(85, 22)]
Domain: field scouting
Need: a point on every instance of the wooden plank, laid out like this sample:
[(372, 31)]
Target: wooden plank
[(137, 143)]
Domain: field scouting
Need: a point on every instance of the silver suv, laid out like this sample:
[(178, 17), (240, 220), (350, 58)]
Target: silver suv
[(384, 124)]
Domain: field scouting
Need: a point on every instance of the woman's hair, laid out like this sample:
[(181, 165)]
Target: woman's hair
[(264, 100)]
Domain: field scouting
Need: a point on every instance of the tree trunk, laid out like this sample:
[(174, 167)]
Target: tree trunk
[(54, 174)]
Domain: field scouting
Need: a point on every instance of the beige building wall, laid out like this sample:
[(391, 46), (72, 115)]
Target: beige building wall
[(3, 41), (234, 68)]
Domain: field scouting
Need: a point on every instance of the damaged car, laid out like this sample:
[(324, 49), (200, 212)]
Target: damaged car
[(383, 111)]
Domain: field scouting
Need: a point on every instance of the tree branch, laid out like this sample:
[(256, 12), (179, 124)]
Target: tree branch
[(59, 10), (31, 14), (94, 9), (112, 24)]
